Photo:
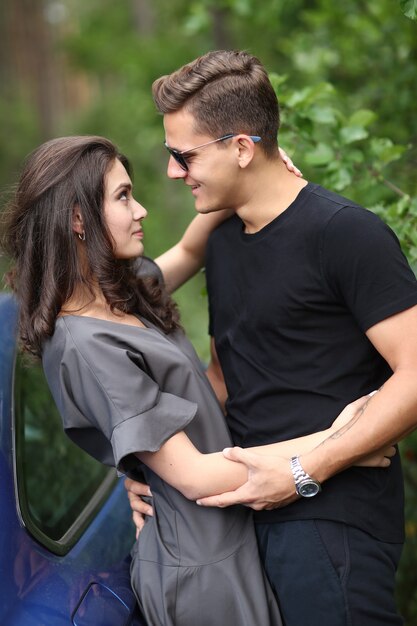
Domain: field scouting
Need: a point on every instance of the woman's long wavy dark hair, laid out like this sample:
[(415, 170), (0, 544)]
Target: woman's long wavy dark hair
[(39, 238)]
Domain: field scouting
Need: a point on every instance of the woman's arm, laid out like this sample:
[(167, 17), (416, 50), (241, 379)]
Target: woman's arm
[(195, 475), (198, 475), (182, 261)]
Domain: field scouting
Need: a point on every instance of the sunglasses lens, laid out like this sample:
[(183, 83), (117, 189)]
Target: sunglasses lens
[(179, 159)]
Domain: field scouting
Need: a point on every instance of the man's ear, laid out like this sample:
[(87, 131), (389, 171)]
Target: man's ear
[(246, 150), (77, 220)]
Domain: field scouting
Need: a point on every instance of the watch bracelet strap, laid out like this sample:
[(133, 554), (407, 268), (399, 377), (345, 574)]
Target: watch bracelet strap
[(297, 470)]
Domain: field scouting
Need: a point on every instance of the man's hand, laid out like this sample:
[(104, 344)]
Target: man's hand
[(270, 484), (135, 492)]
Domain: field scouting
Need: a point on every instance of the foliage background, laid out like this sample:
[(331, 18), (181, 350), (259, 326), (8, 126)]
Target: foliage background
[(345, 74)]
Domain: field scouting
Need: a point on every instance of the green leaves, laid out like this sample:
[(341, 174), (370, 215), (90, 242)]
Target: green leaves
[(350, 134), (355, 127), (342, 151), (321, 155), (363, 117), (409, 8), (330, 144), (385, 150)]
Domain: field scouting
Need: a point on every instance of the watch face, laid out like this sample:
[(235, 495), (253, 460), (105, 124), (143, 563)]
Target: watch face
[(309, 488)]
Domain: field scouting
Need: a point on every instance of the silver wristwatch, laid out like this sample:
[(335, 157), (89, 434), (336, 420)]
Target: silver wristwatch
[(305, 486)]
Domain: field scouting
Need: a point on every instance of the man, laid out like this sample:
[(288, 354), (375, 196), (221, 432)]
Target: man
[(312, 304)]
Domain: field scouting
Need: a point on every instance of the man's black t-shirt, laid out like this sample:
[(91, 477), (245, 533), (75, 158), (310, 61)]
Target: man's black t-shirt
[(289, 307)]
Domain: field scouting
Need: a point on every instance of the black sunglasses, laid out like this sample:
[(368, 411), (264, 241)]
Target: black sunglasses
[(180, 156)]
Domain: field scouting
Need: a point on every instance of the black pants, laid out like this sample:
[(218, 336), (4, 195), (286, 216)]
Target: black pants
[(330, 574)]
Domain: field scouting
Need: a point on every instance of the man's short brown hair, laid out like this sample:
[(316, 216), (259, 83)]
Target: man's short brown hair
[(226, 92)]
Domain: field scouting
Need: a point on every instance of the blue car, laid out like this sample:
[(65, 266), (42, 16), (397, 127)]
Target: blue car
[(66, 529)]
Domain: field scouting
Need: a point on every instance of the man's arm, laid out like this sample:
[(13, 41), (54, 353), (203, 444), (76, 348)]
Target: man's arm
[(215, 375), (387, 417), (136, 491), (391, 414)]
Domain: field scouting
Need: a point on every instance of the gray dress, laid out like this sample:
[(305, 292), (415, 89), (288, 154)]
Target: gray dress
[(122, 389)]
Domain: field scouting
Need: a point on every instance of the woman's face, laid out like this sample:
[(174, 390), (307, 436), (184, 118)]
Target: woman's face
[(122, 213)]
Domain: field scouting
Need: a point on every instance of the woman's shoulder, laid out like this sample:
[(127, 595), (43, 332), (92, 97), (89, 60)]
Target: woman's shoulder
[(105, 347), (92, 349), (86, 330), (83, 337)]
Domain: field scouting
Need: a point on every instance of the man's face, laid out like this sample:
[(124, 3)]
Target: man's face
[(213, 169)]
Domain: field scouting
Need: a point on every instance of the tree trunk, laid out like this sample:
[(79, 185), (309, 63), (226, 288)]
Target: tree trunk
[(221, 32), (144, 17), (27, 66)]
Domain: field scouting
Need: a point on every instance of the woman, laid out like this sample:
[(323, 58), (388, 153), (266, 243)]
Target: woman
[(128, 384)]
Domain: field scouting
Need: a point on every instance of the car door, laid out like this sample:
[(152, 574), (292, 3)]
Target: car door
[(66, 529)]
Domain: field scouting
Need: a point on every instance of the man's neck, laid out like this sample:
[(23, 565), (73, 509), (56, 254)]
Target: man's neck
[(272, 190)]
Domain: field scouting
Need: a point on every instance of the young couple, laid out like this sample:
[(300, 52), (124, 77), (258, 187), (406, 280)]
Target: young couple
[(312, 305)]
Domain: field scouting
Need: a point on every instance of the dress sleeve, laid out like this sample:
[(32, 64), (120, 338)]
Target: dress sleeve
[(364, 265), (110, 404)]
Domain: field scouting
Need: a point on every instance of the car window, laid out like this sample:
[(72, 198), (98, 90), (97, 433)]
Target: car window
[(59, 486)]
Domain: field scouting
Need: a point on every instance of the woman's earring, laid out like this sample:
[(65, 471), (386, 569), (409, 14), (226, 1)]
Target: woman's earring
[(81, 236)]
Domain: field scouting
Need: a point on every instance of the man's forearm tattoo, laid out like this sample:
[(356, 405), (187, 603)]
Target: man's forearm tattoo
[(339, 433)]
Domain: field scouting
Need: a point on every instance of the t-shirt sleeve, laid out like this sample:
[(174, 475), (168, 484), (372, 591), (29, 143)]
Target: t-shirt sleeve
[(364, 265), (111, 405)]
